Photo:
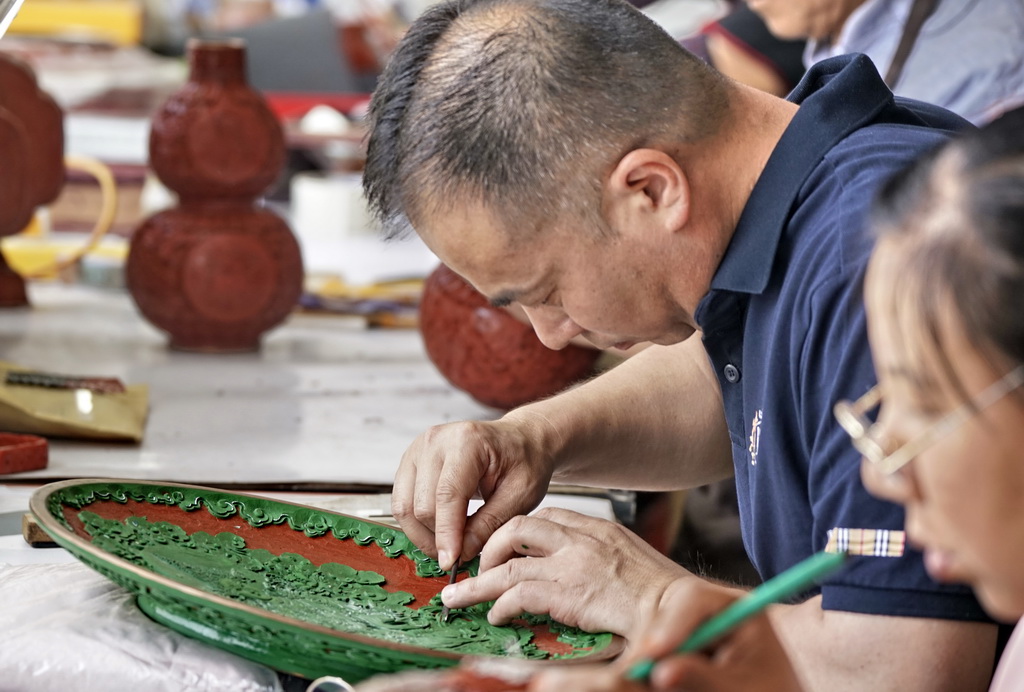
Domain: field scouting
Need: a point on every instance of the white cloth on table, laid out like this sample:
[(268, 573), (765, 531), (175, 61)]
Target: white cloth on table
[(65, 627)]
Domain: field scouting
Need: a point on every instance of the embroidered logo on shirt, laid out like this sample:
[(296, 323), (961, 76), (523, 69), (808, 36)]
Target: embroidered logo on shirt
[(870, 542), (755, 437)]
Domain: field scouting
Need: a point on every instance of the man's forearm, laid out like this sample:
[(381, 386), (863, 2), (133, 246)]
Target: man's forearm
[(852, 652), (654, 422)]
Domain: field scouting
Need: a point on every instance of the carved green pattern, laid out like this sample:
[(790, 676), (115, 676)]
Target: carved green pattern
[(257, 512), (333, 596)]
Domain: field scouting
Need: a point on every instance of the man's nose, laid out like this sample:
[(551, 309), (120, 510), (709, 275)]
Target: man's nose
[(553, 327)]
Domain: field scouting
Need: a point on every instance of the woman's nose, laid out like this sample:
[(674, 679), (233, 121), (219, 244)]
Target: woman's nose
[(894, 487)]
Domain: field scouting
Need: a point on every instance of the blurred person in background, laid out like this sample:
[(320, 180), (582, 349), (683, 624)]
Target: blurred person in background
[(964, 55), (739, 45)]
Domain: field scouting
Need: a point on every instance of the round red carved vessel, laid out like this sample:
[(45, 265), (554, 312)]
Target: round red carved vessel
[(217, 271), (43, 121), (489, 354), (15, 205), (31, 160)]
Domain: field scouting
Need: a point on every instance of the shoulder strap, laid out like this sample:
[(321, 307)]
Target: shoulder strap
[(919, 13)]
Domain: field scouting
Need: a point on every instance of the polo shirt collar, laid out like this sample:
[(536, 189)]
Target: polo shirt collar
[(837, 96)]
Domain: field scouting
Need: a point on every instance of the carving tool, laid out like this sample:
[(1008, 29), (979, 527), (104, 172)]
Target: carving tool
[(779, 588), (446, 612)]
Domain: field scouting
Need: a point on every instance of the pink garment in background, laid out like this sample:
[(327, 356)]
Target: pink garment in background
[(1009, 675)]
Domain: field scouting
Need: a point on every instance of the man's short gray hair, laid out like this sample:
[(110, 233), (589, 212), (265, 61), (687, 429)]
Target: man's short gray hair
[(524, 105)]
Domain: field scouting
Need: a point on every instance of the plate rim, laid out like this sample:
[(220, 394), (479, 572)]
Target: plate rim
[(38, 508)]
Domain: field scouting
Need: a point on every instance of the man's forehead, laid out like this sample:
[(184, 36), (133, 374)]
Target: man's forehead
[(462, 232), (474, 229), (483, 251)]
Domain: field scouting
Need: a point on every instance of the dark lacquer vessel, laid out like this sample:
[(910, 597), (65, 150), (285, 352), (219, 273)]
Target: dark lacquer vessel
[(218, 270)]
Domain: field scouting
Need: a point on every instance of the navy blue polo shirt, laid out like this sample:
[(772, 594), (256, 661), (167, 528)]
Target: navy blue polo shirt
[(784, 327)]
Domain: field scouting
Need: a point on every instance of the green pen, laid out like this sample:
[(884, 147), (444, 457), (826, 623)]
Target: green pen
[(779, 588)]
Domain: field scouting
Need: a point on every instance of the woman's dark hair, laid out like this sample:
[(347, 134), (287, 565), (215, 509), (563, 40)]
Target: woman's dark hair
[(960, 208)]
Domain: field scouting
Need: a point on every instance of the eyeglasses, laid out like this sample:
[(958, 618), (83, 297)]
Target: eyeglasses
[(852, 416)]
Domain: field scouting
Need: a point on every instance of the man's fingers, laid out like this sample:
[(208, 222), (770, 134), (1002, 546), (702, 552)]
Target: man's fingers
[(450, 528), (448, 465), (422, 538), (455, 486), (486, 586), (424, 498), (521, 535), (402, 509), (567, 517), (402, 492), (534, 597)]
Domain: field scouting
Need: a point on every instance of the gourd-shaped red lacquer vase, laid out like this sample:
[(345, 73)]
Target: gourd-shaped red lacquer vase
[(216, 271)]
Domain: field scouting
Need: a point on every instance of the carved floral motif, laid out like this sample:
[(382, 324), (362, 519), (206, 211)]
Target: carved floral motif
[(281, 608)]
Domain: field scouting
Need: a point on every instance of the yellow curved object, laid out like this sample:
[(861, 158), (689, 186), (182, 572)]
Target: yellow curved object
[(117, 21), (108, 208)]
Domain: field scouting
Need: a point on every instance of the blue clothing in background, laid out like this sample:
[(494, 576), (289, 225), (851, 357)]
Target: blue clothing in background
[(784, 327), (969, 56)]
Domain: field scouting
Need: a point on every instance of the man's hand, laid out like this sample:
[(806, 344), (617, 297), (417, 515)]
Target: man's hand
[(662, 404), (503, 461), (585, 572)]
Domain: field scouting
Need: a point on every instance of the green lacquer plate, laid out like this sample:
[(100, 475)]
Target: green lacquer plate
[(305, 591)]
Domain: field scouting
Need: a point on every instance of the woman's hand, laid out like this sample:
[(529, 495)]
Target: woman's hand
[(749, 659)]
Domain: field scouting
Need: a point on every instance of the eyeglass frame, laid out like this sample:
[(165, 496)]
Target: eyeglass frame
[(851, 417)]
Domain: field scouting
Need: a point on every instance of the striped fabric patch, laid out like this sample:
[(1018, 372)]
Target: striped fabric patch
[(870, 542)]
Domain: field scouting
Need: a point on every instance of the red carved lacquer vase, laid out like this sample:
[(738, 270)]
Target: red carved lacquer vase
[(31, 160), (488, 353), (217, 271)]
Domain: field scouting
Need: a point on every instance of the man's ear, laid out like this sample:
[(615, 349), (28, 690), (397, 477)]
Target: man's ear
[(647, 190)]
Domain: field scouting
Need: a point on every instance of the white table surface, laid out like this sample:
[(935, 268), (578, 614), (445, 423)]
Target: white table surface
[(325, 401)]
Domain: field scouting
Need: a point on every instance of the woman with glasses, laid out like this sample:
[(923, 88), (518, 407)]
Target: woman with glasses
[(944, 297)]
